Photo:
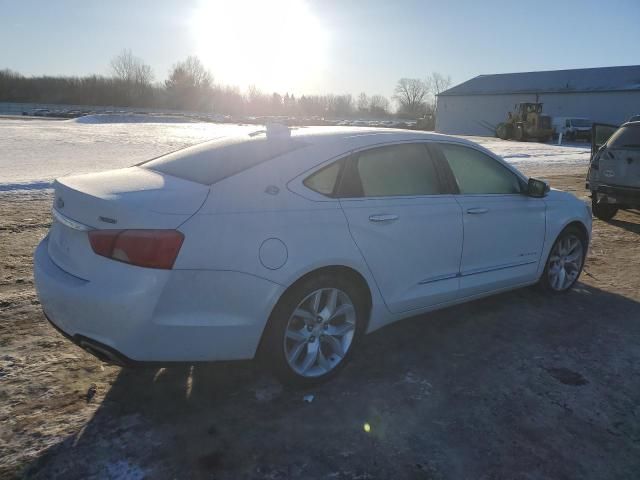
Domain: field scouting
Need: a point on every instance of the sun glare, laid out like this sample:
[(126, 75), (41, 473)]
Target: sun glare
[(277, 45)]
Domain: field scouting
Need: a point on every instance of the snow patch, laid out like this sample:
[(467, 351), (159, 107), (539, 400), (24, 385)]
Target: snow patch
[(33, 153), (130, 118), (12, 187)]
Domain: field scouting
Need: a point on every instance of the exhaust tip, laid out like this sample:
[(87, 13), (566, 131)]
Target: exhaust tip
[(101, 353)]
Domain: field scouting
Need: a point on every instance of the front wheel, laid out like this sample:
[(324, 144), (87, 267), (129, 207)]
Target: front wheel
[(315, 328), (519, 133), (565, 261), (603, 210), (503, 131)]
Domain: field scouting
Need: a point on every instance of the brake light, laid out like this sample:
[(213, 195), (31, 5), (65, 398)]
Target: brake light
[(144, 248)]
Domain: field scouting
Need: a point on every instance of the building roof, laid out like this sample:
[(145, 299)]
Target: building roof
[(603, 79)]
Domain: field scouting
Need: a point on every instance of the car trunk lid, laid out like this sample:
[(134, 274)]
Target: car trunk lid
[(129, 198)]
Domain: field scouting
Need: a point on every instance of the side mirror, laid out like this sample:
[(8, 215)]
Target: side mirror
[(537, 188)]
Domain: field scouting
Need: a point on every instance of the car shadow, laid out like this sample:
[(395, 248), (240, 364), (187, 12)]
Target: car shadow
[(519, 382), (629, 226)]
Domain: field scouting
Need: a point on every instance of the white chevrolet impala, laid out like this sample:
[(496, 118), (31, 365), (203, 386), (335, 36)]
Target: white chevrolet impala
[(295, 243)]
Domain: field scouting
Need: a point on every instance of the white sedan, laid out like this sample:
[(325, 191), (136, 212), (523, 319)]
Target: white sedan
[(294, 243)]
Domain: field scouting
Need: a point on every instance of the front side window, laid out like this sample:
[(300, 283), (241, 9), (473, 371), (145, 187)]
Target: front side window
[(477, 173), (394, 170)]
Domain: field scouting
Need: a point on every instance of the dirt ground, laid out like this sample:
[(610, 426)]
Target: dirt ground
[(518, 386)]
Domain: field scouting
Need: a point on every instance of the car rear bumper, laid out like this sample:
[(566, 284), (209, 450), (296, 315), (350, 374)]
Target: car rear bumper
[(619, 195), (129, 314), (97, 349)]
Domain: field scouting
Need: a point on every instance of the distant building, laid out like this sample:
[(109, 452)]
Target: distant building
[(475, 107)]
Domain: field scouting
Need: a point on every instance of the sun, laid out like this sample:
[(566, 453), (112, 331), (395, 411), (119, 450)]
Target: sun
[(277, 45)]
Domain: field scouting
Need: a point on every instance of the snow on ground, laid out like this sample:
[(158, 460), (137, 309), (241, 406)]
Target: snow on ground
[(33, 153), (132, 118), (538, 156)]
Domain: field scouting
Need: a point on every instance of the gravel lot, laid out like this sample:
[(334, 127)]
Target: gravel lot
[(518, 386)]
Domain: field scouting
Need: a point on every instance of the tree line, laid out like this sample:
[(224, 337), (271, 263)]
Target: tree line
[(191, 87)]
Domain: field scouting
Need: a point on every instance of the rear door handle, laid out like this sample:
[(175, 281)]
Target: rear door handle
[(383, 218), (476, 211)]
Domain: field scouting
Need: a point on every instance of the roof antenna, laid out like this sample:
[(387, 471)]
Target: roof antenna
[(278, 130)]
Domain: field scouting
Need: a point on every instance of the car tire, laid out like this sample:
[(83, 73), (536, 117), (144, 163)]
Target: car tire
[(603, 211), (308, 340), (503, 131), (565, 256)]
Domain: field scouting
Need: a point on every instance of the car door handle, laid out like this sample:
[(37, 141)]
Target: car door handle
[(383, 218), (476, 211)]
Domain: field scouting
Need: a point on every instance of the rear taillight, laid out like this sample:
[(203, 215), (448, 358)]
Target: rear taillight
[(144, 248)]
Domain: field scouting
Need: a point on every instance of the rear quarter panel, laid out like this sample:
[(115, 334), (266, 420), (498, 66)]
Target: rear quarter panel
[(255, 208)]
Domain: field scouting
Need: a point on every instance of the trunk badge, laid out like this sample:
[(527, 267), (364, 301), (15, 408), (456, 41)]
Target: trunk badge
[(107, 220)]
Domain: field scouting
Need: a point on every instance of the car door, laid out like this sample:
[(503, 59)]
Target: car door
[(600, 133), (407, 227), (504, 229)]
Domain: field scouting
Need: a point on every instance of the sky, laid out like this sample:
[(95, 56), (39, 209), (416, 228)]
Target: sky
[(320, 46)]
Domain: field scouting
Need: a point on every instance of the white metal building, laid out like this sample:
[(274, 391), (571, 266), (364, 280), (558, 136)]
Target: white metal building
[(475, 107)]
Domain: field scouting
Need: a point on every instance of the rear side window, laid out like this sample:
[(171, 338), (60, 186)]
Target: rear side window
[(625, 137), (213, 161), (477, 173), (394, 170), (324, 181)]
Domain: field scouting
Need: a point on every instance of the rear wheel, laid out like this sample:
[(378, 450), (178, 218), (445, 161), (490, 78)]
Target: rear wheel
[(602, 210), (565, 261), (315, 328)]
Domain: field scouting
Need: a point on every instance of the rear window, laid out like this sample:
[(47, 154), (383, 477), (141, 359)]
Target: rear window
[(625, 137), (213, 161)]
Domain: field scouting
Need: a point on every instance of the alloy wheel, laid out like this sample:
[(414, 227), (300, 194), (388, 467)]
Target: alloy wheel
[(565, 262), (320, 332)]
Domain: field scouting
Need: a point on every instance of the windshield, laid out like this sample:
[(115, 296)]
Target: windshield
[(627, 136), (213, 161), (580, 122)]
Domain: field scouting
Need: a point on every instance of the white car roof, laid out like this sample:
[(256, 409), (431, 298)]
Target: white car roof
[(366, 135), (289, 151)]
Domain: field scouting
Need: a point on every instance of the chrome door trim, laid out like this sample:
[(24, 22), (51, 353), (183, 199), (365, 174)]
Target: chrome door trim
[(496, 268), (446, 276)]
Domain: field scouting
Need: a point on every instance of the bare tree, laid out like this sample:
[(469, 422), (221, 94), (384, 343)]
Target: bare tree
[(437, 83), (411, 93), (343, 105), (378, 105), (190, 85), (363, 103), (191, 73), (130, 69)]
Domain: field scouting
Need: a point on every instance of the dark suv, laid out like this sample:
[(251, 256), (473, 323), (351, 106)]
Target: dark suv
[(614, 172)]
